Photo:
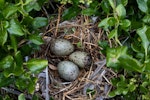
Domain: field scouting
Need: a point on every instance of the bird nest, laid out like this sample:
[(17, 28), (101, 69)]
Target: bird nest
[(93, 82)]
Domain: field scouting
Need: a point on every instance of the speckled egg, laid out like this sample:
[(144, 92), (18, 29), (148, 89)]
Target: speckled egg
[(61, 47), (82, 59), (68, 70)]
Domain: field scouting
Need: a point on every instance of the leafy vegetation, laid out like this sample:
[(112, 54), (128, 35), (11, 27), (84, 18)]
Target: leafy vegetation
[(127, 25), (19, 38)]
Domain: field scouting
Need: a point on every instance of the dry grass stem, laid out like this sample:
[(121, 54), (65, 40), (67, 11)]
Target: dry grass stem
[(84, 35)]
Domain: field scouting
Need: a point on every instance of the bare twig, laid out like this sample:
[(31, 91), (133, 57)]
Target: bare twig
[(58, 20), (98, 68), (47, 83), (50, 1)]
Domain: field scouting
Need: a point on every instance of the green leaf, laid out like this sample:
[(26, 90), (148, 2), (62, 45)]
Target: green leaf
[(14, 44), (18, 58), (136, 46), (18, 67), (36, 65), (104, 23), (129, 63), (39, 22), (3, 35), (113, 33), (147, 65), (90, 91), (21, 97), (15, 28), (5, 24), (112, 94), (125, 23), (140, 56), (32, 5), (2, 3), (119, 91), (27, 2), (132, 87), (147, 33), (5, 81), (143, 89), (121, 84), (114, 81), (36, 39), (146, 19), (112, 3), (142, 5), (8, 72), (103, 45), (79, 45), (26, 82), (6, 62), (95, 4), (112, 21), (136, 24), (113, 55), (26, 49), (142, 33), (71, 12), (105, 6), (41, 2), (22, 81), (75, 2), (9, 11), (27, 20), (31, 85), (144, 84), (35, 97), (89, 11), (148, 4), (121, 11), (107, 22), (22, 11), (125, 91), (122, 78), (124, 2), (1, 16)]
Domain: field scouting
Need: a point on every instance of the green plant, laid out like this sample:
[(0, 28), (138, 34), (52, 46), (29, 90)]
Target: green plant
[(129, 55), (91, 8), (19, 38), (127, 24), (73, 1)]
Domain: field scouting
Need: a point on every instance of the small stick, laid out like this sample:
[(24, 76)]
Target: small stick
[(58, 20), (47, 83)]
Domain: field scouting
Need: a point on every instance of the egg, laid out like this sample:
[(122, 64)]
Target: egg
[(61, 47), (68, 70), (82, 59)]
